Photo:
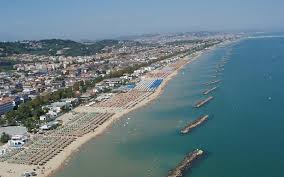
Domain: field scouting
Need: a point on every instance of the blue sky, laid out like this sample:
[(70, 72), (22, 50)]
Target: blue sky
[(97, 19)]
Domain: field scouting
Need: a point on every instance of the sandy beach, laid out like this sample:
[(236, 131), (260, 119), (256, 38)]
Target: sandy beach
[(57, 162), (61, 159)]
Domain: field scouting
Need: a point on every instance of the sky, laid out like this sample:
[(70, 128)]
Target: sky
[(100, 19)]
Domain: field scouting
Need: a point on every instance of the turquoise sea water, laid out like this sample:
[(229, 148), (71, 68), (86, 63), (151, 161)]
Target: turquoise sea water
[(243, 137)]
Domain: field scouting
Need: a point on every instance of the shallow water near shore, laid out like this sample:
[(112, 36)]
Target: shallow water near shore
[(243, 136)]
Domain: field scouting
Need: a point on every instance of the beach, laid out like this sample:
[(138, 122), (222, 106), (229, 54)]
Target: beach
[(61, 159), (133, 133), (15, 170), (237, 137)]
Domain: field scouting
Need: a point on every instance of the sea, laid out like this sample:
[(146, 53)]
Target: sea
[(243, 136)]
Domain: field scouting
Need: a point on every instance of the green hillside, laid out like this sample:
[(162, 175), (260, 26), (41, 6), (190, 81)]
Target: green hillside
[(53, 47)]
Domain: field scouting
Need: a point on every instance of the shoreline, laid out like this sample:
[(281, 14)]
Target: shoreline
[(52, 168), (61, 160)]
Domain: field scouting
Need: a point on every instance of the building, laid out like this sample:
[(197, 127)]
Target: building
[(49, 126), (59, 106), (112, 82), (6, 105), (18, 141), (71, 101)]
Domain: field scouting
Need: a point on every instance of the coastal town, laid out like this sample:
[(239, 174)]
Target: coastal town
[(52, 103), (145, 88)]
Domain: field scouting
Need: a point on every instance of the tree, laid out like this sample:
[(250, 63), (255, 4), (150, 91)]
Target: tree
[(11, 117), (4, 137), (2, 122)]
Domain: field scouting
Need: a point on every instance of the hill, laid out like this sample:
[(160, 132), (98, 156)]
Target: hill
[(53, 47)]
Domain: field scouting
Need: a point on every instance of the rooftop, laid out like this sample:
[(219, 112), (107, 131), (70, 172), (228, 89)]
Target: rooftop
[(5, 100)]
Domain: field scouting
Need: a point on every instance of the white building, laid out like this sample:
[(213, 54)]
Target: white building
[(49, 126), (113, 81), (17, 141), (43, 118)]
